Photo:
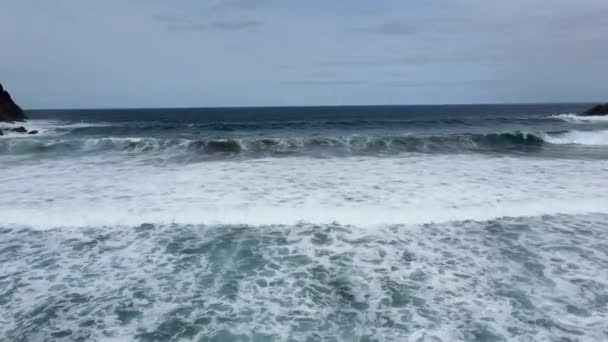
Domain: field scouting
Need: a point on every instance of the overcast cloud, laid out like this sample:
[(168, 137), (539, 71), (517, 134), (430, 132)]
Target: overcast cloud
[(150, 53)]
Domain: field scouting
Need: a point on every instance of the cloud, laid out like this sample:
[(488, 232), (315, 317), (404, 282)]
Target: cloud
[(236, 25), (392, 27), (325, 83), (406, 60), (450, 83), (399, 84), (460, 56), (188, 27), (259, 52), (181, 24), (242, 4), (169, 19), (492, 21)]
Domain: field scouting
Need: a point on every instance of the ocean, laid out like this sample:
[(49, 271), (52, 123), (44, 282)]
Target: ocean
[(389, 223)]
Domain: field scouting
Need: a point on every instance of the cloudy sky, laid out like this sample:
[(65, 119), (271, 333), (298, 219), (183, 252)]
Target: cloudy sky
[(185, 53)]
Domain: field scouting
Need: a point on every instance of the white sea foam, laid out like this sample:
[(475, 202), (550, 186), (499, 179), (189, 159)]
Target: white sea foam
[(103, 275), (46, 127), (574, 118), (532, 279), (411, 189), (578, 137)]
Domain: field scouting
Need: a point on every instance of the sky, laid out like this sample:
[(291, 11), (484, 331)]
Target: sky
[(209, 53)]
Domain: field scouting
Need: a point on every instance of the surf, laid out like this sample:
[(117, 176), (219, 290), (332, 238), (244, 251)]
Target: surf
[(328, 146)]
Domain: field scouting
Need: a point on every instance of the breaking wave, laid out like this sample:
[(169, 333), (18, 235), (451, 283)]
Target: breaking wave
[(597, 138), (169, 225), (336, 146), (574, 118)]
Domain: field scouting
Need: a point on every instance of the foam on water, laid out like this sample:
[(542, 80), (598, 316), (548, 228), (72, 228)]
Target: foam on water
[(410, 189), (577, 119), (540, 279), (579, 137), (46, 128), (438, 228)]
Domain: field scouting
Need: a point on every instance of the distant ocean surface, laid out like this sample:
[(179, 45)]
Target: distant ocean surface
[(396, 223)]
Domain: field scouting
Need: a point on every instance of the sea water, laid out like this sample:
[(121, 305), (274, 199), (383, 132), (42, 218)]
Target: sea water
[(414, 223)]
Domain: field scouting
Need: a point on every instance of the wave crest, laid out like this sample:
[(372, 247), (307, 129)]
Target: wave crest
[(574, 118), (596, 138), (298, 146), (264, 147), (26, 146)]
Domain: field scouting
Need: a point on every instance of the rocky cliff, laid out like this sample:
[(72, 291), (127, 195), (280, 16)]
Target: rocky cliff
[(601, 109), (9, 110)]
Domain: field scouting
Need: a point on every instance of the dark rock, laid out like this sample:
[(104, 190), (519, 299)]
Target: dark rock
[(19, 129), (9, 110), (601, 109), (33, 132), (1, 132)]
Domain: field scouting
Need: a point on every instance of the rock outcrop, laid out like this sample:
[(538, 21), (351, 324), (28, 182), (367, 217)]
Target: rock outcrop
[(9, 110), (19, 129), (598, 110)]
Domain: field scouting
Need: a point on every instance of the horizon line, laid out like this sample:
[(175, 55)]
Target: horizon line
[(319, 106)]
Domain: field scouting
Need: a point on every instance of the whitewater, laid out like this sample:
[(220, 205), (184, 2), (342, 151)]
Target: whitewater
[(438, 223)]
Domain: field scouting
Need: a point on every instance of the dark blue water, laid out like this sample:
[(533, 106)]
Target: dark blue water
[(195, 134), (430, 119), (326, 113)]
